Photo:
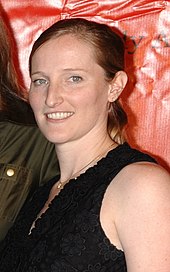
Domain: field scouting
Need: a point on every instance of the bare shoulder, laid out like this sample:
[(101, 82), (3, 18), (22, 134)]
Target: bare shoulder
[(141, 195), (145, 169), (141, 185), (142, 175)]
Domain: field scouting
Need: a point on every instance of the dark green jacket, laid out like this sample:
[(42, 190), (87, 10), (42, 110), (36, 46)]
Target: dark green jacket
[(27, 160)]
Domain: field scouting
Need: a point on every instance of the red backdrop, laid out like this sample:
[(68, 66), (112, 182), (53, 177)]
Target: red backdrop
[(145, 25)]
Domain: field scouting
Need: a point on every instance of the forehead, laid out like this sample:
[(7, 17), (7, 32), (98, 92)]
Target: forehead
[(67, 44), (64, 52)]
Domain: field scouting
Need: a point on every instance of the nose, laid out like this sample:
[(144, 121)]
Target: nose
[(54, 97)]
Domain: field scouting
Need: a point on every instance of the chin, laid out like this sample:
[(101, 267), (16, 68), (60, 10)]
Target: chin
[(55, 139)]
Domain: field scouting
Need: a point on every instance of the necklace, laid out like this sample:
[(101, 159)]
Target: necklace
[(60, 184)]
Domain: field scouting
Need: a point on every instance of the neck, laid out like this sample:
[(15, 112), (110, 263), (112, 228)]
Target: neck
[(77, 159)]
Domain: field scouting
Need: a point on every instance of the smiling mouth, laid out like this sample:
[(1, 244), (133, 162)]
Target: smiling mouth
[(59, 115)]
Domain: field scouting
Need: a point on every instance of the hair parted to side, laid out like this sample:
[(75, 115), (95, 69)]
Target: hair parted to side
[(9, 85), (109, 52)]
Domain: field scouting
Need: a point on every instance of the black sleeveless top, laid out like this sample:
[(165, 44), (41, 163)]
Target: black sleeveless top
[(69, 236)]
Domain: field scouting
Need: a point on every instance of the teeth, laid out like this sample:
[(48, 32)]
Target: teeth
[(59, 115)]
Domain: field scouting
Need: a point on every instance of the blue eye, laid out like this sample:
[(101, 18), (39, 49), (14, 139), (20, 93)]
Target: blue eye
[(76, 78), (40, 81)]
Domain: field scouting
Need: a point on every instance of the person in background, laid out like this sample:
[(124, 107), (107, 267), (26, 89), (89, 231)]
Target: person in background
[(27, 159), (109, 208)]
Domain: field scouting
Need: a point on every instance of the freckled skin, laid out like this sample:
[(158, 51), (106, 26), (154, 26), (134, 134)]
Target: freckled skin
[(136, 207), (73, 82)]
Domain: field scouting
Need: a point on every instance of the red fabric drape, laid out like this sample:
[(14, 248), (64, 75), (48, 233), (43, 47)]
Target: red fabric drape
[(146, 29)]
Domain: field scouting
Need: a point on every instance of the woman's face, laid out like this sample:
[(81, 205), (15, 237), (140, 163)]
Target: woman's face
[(68, 92)]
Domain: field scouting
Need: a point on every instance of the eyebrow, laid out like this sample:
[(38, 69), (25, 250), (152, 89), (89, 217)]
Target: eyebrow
[(39, 73), (65, 70), (74, 69)]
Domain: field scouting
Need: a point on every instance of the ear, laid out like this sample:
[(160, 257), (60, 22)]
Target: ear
[(117, 85)]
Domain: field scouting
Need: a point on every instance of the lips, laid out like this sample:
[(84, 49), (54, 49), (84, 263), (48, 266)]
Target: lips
[(59, 115)]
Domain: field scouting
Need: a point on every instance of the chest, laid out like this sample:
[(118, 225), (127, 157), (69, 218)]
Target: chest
[(75, 236)]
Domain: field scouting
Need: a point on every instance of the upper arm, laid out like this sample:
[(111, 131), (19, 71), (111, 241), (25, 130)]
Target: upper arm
[(143, 217)]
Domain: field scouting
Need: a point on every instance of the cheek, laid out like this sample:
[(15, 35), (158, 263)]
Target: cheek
[(33, 100), (100, 99)]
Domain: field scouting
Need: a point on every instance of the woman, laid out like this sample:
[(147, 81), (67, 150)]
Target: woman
[(109, 208), (27, 159)]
